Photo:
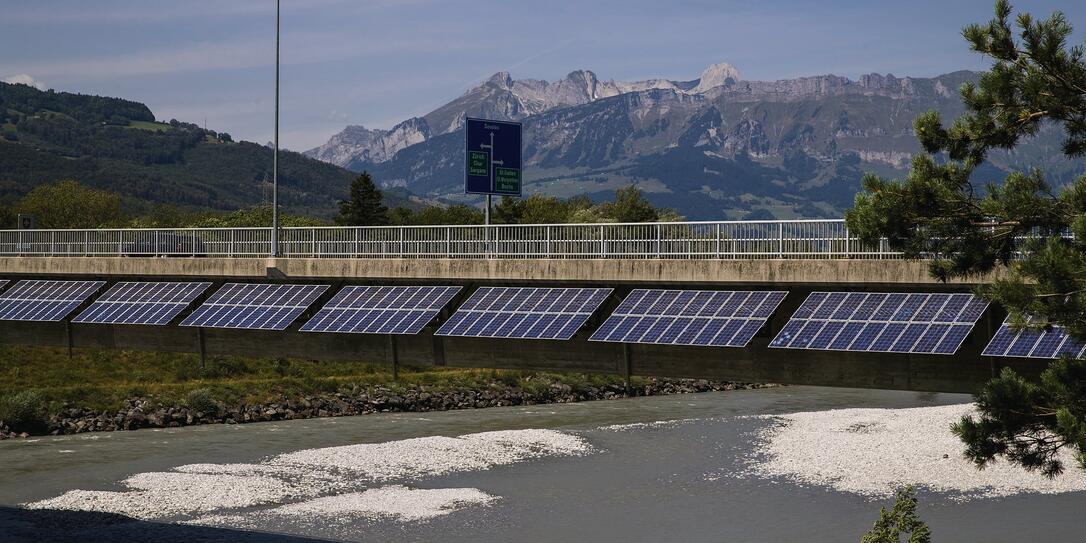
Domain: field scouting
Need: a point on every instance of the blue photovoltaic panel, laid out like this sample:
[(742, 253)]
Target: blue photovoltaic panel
[(722, 318), (881, 322), (524, 313), (37, 300), (141, 303), (254, 306), (381, 310), (1052, 343)]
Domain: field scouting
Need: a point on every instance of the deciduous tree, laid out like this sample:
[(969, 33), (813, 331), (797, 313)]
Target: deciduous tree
[(68, 204)]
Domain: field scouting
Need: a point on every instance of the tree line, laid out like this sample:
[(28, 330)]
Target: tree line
[(25, 100), (365, 207), (70, 204)]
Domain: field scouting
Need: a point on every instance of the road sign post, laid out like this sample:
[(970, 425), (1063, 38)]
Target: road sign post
[(493, 159)]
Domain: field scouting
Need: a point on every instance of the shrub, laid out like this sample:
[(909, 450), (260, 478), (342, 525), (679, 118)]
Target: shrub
[(201, 400), (24, 411)]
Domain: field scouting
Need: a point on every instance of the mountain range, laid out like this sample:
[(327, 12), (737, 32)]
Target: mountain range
[(713, 147)]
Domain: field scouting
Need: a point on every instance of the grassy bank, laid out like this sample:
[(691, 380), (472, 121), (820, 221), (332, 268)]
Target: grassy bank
[(46, 381)]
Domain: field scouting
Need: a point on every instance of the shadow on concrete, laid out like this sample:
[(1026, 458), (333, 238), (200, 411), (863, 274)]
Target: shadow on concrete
[(25, 525)]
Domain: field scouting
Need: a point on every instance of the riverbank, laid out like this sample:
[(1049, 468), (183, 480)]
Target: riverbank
[(667, 468), (128, 391)]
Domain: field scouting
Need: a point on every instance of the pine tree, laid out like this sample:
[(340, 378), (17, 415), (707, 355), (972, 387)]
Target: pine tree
[(1036, 80), (364, 206), (901, 519)]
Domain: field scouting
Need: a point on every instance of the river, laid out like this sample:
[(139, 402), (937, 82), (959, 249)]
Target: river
[(594, 471)]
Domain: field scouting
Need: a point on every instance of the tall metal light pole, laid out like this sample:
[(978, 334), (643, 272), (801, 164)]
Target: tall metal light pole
[(275, 156)]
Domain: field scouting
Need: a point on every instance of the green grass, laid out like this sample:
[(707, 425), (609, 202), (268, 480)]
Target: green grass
[(103, 380), (148, 125)]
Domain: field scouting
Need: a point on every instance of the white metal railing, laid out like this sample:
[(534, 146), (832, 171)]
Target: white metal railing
[(795, 239)]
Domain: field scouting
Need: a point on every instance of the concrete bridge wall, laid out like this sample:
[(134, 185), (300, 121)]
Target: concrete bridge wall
[(598, 271)]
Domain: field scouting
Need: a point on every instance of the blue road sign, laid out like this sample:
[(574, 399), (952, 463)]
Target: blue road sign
[(492, 157)]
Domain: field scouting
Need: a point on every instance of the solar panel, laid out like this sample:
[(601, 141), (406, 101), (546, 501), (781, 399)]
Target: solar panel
[(1052, 343), (39, 300), (251, 306), (141, 303), (881, 322), (689, 317), (524, 313), (381, 310)]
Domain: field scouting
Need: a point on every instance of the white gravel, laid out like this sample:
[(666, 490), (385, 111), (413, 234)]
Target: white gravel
[(872, 452), (393, 502), (389, 501), (165, 494), (314, 480), (429, 456)]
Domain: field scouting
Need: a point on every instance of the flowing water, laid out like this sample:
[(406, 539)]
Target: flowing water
[(596, 471)]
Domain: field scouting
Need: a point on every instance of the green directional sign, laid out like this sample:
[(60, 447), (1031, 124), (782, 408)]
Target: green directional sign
[(478, 163), (507, 180)]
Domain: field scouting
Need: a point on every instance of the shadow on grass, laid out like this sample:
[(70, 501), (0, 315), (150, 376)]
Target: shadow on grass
[(24, 525)]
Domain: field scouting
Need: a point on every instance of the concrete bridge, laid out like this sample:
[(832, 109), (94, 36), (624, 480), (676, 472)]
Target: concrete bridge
[(796, 256)]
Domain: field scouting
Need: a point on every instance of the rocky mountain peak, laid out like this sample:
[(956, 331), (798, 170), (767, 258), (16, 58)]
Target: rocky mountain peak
[(716, 75), (501, 79)]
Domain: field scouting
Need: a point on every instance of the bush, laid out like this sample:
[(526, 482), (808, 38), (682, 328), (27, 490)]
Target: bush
[(24, 411), (201, 400)]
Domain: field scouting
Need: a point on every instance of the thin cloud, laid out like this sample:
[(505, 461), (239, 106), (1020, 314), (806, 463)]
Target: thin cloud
[(25, 79), (157, 12), (297, 48)]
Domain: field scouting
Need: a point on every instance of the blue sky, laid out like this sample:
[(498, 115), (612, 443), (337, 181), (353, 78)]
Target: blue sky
[(378, 62)]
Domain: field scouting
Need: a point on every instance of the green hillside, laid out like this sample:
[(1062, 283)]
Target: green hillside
[(118, 145)]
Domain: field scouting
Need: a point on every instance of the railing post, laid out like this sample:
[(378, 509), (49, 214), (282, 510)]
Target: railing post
[(357, 245), (86, 242), (780, 239), (603, 244), (401, 242), (549, 252), (659, 240), (448, 241), (233, 242), (718, 239), (53, 243), (848, 252), (193, 243)]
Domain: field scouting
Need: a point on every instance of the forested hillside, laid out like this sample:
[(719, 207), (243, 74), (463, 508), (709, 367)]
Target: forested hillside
[(117, 145)]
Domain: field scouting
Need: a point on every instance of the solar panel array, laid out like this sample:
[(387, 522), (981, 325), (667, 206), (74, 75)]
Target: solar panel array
[(141, 303), (881, 322), (524, 312), (689, 317), (253, 306), (42, 300), (1052, 343), (381, 310)]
